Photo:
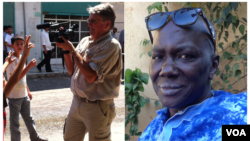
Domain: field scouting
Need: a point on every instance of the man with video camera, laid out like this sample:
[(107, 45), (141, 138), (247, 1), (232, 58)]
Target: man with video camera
[(95, 77)]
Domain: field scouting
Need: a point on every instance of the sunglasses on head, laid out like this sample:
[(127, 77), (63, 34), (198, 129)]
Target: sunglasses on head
[(182, 17)]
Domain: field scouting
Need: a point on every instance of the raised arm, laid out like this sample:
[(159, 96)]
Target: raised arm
[(8, 61), (69, 63), (84, 67), (17, 72), (31, 64)]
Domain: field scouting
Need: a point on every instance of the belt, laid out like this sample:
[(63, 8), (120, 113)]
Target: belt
[(88, 101)]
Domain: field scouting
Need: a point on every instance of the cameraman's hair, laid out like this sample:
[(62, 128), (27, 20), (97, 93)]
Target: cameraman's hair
[(106, 11), (16, 37)]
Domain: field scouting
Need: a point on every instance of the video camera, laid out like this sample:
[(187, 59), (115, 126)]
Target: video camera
[(57, 36)]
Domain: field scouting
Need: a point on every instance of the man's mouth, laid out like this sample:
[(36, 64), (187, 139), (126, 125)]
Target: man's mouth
[(170, 89)]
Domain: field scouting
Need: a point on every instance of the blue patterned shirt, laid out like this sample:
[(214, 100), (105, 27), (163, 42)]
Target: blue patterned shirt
[(200, 122)]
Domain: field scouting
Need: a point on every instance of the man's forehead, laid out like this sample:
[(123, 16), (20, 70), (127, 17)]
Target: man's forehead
[(95, 16), (198, 26)]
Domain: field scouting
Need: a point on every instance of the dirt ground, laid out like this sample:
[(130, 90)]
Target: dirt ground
[(50, 108)]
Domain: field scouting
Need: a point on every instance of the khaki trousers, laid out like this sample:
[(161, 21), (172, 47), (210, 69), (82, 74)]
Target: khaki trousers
[(93, 117)]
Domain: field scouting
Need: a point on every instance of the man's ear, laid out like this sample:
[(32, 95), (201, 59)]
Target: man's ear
[(12, 45), (108, 24), (214, 67)]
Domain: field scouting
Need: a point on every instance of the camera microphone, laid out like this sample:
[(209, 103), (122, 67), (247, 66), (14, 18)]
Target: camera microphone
[(43, 25), (56, 36)]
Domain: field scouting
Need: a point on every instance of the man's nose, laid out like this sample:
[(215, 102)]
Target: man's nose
[(89, 24), (169, 68)]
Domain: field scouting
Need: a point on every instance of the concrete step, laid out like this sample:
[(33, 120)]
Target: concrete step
[(58, 71)]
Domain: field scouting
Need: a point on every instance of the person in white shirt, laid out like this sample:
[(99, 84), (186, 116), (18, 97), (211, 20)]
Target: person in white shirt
[(8, 37), (47, 50), (113, 32), (20, 96)]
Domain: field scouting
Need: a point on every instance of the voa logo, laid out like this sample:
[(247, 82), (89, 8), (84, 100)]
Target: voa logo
[(236, 132)]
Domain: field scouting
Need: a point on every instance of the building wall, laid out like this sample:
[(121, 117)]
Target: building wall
[(135, 13), (32, 18), (119, 21), (8, 14)]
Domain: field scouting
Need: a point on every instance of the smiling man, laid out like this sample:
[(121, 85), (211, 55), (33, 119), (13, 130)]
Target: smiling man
[(95, 78), (182, 66)]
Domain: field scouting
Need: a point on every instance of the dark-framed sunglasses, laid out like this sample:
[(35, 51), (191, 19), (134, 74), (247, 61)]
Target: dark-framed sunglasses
[(182, 17)]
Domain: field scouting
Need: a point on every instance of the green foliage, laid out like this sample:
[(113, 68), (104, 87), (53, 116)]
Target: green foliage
[(155, 6), (242, 29), (157, 102), (145, 43), (127, 137), (134, 81), (224, 17), (221, 45), (235, 66)]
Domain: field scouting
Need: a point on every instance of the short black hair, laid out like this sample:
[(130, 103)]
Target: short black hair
[(16, 37), (5, 27), (9, 26)]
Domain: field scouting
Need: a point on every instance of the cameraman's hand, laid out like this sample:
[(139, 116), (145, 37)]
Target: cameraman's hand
[(32, 63), (27, 46), (67, 45), (45, 51)]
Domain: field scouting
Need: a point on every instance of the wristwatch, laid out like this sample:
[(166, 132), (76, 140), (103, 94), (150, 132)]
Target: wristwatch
[(66, 52)]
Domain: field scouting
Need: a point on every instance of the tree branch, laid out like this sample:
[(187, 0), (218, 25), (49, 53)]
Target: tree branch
[(244, 72), (228, 46), (237, 80), (245, 88), (243, 22)]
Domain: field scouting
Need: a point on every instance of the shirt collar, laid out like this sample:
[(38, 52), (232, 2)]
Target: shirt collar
[(104, 37), (185, 113)]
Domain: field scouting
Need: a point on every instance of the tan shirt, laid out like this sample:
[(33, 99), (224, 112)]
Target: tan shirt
[(105, 57)]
